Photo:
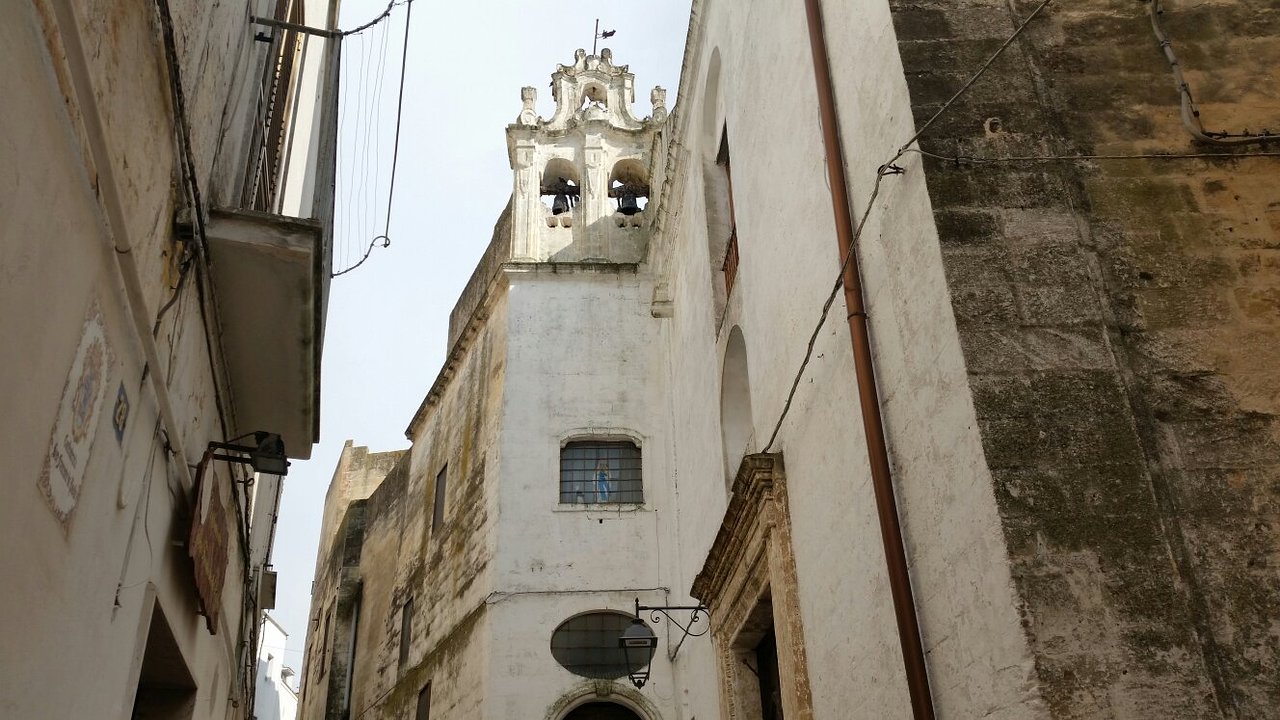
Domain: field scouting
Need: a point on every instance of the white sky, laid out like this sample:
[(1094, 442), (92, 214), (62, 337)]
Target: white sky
[(388, 320)]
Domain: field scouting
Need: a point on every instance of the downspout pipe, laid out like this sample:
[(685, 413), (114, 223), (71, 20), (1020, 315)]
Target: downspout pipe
[(116, 227), (904, 607)]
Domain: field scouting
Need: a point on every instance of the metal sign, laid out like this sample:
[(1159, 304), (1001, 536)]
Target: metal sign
[(207, 547)]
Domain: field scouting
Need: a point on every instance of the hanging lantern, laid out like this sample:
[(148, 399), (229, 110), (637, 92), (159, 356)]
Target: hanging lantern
[(638, 644)]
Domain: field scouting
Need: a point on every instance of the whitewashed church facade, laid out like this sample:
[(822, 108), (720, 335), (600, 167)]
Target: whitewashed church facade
[(943, 500)]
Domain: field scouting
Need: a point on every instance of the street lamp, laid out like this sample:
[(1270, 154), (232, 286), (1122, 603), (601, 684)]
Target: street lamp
[(638, 642), (265, 456)]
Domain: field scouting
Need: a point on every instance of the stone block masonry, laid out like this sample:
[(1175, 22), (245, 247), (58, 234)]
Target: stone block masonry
[(1120, 321)]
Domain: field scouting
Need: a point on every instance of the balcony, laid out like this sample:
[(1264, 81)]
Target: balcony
[(269, 276)]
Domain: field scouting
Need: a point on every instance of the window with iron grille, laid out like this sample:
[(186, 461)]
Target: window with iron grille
[(596, 471)]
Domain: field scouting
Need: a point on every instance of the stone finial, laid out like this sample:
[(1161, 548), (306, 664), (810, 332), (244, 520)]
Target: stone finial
[(658, 97), (591, 91), (528, 116)]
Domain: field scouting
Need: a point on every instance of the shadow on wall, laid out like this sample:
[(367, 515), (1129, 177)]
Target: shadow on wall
[(266, 700), (736, 429)]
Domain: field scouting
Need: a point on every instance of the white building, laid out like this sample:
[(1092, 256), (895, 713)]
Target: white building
[(275, 698), (166, 199), (1024, 469)]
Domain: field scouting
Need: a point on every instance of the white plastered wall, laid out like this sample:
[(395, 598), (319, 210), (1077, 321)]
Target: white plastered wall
[(977, 655)]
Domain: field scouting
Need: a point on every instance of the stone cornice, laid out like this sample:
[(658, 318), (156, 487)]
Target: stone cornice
[(748, 513)]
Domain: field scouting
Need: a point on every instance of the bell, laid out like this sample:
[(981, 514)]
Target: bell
[(627, 203), (560, 204)]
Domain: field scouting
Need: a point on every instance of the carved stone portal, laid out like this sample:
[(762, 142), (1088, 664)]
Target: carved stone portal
[(749, 582)]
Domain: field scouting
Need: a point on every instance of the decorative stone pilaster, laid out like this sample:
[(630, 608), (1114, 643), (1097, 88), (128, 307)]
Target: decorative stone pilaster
[(749, 582)]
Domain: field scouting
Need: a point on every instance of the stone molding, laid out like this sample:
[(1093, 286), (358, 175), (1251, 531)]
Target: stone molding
[(749, 583), (613, 691)]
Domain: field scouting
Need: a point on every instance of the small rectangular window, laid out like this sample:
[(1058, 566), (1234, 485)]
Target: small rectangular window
[(600, 472), (406, 630), (424, 703), (437, 514), (324, 642), (730, 267)]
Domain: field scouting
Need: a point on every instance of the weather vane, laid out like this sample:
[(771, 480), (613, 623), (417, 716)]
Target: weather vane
[(606, 35)]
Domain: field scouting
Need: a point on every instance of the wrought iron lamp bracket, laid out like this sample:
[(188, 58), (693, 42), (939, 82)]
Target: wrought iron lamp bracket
[(697, 614)]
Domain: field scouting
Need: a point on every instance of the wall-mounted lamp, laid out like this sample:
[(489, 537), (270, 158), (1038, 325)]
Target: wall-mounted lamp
[(638, 642), (265, 456)]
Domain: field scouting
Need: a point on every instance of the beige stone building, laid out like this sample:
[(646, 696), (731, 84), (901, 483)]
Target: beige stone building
[(1020, 462), (166, 199)]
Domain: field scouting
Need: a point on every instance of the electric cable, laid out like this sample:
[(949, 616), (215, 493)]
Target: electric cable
[(981, 71), (1190, 114), (190, 175), (831, 298), (184, 267), (380, 17), (378, 85), (385, 237), (888, 168), (1030, 159)]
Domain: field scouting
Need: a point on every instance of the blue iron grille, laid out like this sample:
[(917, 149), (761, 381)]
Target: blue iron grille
[(600, 472)]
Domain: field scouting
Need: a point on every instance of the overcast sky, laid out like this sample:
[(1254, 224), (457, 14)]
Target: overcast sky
[(388, 319)]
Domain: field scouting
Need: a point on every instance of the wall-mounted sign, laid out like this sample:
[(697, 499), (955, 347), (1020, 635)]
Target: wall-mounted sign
[(207, 547), (77, 421)]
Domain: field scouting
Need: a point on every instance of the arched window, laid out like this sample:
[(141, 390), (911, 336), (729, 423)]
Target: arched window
[(722, 226), (594, 92), (736, 429), (561, 183), (600, 471), (629, 187)]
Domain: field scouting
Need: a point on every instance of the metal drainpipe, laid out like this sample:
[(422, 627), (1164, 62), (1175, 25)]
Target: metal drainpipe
[(904, 607), (115, 226)]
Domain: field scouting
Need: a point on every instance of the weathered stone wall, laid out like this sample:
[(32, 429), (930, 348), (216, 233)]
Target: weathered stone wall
[(89, 580), (445, 570), (482, 278), (1120, 321), (357, 496)]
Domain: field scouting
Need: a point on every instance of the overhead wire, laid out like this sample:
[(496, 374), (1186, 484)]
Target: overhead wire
[(384, 240), (341, 171), (380, 17), (973, 79), (377, 135), (886, 169), (960, 159), (889, 168)]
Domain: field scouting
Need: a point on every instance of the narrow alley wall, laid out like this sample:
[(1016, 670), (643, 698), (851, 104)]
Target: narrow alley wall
[(1120, 321)]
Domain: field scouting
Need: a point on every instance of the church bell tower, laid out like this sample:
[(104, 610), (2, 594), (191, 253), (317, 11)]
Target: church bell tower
[(582, 176)]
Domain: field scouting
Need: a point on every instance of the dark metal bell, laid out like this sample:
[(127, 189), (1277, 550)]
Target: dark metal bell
[(560, 204), (627, 204)]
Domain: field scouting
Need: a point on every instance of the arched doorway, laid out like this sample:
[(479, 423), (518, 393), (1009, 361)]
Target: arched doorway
[(601, 711)]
